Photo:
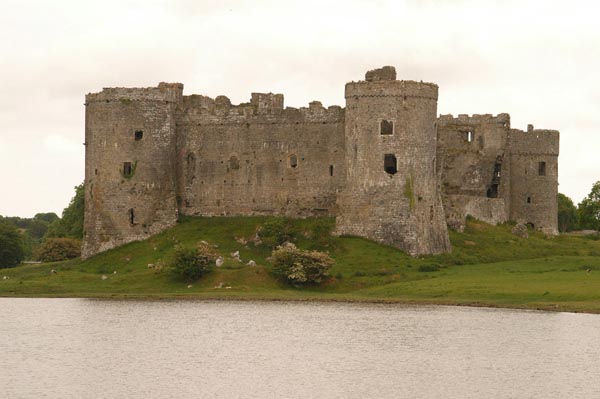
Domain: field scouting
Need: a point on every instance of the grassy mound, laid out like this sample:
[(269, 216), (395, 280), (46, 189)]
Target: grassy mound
[(488, 266)]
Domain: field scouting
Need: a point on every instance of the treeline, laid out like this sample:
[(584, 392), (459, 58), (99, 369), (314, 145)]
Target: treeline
[(584, 216), (44, 237)]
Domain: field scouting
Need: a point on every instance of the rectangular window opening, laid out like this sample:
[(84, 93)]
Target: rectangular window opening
[(139, 134), (386, 127), (542, 168), (330, 170), (127, 170), (390, 164), (529, 200)]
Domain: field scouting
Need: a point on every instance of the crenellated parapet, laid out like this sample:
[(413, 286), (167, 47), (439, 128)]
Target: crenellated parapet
[(535, 141), (171, 92), (263, 108)]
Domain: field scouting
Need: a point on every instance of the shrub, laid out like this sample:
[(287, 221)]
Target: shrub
[(275, 232), (192, 263), (57, 249), (299, 267), (433, 267)]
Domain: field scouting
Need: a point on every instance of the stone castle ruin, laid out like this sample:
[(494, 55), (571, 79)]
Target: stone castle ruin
[(386, 167)]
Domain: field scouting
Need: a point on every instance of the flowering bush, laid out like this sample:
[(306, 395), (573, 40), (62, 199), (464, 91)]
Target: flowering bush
[(299, 267)]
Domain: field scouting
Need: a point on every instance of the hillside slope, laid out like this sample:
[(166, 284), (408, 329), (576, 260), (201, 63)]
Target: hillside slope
[(488, 266)]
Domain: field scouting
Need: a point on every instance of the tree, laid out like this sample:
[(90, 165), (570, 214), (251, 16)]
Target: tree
[(71, 223), (57, 249), (11, 246), (589, 209), (567, 214)]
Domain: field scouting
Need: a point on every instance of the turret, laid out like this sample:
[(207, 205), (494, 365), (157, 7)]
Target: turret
[(130, 165), (392, 188)]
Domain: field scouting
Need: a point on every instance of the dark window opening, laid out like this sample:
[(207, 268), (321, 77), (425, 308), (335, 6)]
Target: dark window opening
[(386, 127), (529, 200), (497, 170), (127, 170), (131, 213), (492, 192), (390, 164), (531, 226), (330, 170), (293, 160), (139, 135), (542, 168), (96, 172), (234, 163)]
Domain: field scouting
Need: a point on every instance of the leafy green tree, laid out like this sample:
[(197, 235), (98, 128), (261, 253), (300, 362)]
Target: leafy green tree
[(57, 249), (71, 223), (589, 209), (11, 246), (567, 214), (47, 217)]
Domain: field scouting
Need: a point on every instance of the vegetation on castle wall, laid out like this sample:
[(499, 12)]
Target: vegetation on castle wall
[(409, 192)]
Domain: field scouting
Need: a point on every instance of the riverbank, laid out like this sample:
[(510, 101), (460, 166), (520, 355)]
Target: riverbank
[(488, 267)]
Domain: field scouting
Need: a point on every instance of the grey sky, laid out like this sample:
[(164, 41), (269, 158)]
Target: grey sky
[(537, 60)]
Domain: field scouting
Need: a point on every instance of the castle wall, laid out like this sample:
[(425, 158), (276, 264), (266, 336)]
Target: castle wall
[(473, 160), (128, 203), (534, 188), (259, 158), (392, 120)]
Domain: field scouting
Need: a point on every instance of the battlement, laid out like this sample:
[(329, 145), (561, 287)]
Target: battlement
[(475, 119), (534, 141), (171, 92), (391, 88), (262, 108)]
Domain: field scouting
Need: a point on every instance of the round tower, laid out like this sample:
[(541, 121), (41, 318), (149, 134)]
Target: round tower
[(130, 170), (392, 189)]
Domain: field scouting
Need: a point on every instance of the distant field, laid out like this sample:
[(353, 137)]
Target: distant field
[(488, 267)]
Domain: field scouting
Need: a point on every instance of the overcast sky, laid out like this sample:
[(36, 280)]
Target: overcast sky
[(537, 60)]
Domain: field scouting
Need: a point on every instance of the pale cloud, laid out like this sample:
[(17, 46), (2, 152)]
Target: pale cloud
[(537, 60)]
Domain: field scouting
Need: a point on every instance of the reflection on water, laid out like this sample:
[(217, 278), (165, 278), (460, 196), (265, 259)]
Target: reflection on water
[(76, 348)]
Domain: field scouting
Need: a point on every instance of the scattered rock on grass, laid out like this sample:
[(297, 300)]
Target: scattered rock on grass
[(520, 230), (251, 263), (219, 262), (104, 277)]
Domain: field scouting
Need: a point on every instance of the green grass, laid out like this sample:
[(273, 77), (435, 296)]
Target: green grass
[(488, 267)]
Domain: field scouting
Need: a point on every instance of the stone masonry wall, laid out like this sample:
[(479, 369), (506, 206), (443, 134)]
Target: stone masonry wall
[(534, 187), (259, 158), (393, 120), (475, 168), (120, 208)]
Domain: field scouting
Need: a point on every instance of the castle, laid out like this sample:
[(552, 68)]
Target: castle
[(386, 167)]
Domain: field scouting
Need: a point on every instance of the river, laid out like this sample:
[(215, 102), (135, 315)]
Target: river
[(83, 348)]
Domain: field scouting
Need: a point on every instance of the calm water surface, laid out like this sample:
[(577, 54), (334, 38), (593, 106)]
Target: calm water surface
[(76, 348)]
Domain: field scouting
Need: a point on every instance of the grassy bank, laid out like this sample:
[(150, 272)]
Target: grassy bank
[(488, 266)]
